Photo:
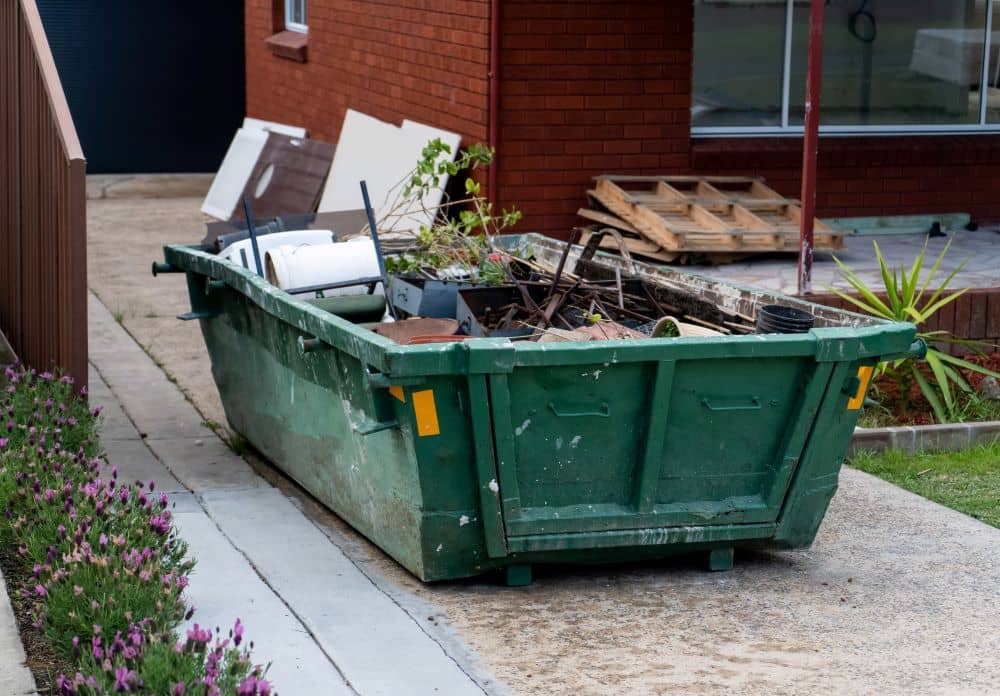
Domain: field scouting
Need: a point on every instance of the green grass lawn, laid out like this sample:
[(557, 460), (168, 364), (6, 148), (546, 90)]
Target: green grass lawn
[(967, 481)]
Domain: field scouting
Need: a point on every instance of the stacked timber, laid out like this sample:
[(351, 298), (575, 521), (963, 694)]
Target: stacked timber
[(681, 219)]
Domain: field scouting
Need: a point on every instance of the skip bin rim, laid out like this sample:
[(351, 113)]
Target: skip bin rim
[(867, 337)]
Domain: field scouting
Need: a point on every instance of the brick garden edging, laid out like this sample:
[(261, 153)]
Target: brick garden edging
[(948, 437)]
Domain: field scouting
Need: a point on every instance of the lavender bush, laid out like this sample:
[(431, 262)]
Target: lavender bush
[(108, 570)]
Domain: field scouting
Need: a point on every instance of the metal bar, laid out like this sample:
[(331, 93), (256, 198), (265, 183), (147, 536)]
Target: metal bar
[(984, 84), (253, 235), (797, 434), (845, 131), (378, 245), (333, 286), (486, 468), (506, 451), (810, 145), (656, 427)]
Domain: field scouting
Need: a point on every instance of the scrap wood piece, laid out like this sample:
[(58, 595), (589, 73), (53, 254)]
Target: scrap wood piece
[(639, 247), (288, 176), (708, 214), (607, 220)]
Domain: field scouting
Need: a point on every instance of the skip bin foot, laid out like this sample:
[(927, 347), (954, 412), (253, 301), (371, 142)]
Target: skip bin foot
[(720, 559), (518, 575)]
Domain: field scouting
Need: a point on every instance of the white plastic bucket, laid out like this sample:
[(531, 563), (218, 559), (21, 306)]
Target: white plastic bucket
[(269, 241), (304, 266)]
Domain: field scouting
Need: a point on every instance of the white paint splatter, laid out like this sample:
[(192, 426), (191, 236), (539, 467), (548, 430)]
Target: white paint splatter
[(597, 374), (575, 441), (438, 549), (463, 520), (522, 428), (559, 442), (494, 486)]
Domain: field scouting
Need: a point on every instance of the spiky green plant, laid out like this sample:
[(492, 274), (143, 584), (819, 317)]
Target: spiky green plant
[(909, 299)]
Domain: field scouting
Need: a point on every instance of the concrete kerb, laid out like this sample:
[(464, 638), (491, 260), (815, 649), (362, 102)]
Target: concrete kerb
[(15, 677), (946, 437)]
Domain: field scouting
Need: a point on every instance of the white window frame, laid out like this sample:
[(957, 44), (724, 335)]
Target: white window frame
[(290, 23), (792, 131)]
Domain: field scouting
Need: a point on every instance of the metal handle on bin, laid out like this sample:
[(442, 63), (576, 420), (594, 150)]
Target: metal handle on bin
[(602, 410), (309, 345), (752, 405), (917, 351), (162, 267)]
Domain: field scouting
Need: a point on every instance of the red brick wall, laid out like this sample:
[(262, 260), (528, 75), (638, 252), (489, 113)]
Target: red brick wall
[(420, 59), (595, 87), (872, 176), (589, 87)]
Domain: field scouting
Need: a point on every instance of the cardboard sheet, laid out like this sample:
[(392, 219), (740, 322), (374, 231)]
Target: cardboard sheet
[(288, 176)]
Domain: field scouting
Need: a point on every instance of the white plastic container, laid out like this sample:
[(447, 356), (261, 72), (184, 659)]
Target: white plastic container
[(289, 266), (267, 242)]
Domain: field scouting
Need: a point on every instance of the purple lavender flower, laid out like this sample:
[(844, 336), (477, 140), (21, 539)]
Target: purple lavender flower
[(123, 679), (40, 590), (178, 689), (237, 632)]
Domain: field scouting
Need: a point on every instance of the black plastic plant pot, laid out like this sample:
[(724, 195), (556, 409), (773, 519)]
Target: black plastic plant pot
[(781, 319)]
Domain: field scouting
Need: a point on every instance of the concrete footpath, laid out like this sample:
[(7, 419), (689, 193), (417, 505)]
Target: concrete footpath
[(897, 596), (322, 623)]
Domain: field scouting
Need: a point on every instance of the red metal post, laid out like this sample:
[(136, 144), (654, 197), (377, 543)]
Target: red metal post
[(810, 145), (493, 127)]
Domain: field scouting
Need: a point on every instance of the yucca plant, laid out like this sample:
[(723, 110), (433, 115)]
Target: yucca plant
[(907, 299)]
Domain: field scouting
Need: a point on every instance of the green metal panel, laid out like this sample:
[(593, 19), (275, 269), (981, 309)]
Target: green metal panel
[(461, 458)]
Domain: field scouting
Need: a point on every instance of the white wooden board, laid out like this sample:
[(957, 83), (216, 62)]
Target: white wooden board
[(234, 172), (417, 135), (369, 150)]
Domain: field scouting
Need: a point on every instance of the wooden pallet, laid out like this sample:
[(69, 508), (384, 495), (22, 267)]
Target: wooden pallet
[(709, 214)]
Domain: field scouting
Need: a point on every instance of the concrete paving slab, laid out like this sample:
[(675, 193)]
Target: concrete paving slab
[(225, 587), (361, 628), (204, 464), (115, 425), (918, 582), (136, 463), (147, 185), (15, 677), (778, 272)]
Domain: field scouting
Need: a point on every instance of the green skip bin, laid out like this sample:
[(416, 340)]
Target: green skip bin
[(465, 457)]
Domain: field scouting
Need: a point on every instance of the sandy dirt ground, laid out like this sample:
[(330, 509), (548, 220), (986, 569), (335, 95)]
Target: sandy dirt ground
[(897, 595)]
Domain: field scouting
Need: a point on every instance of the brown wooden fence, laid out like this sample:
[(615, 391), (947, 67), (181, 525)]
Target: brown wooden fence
[(974, 316), (43, 223)]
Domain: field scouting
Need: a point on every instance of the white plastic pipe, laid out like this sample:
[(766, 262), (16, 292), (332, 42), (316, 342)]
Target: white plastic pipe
[(304, 266), (266, 242)]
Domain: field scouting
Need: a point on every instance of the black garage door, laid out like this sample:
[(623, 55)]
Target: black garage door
[(154, 86)]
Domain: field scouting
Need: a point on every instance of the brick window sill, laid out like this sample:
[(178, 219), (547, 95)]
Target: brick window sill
[(292, 45)]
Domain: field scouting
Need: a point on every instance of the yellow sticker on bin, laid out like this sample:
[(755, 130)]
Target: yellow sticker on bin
[(864, 377), (397, 392), (426, 413)]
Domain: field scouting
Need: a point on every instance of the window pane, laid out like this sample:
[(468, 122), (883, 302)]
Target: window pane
[(296, 10), (739, 50), (894, 62), (993, 75)]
